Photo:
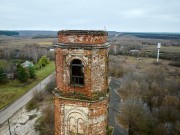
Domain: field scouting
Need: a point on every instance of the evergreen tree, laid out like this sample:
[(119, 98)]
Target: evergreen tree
[(22, 74), (3, 77), (32, 73)]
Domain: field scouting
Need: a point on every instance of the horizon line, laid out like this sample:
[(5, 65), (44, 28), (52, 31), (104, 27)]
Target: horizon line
[(87, 29)]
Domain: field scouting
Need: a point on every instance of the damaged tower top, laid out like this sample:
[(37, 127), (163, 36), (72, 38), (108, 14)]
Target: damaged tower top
[(82, 37)]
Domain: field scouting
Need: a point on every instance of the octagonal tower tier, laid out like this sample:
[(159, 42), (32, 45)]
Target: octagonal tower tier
[(82, 62)]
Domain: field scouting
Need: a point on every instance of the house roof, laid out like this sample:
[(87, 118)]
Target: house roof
[(27, 64)]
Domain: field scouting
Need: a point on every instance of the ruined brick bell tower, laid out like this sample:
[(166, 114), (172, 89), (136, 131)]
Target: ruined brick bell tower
[(81, 96)]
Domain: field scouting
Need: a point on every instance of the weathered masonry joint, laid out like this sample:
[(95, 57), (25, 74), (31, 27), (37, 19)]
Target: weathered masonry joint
[(81, 96)]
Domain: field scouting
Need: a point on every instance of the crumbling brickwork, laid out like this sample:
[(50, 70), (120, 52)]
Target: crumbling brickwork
[(82, 37), (81, 96), (93, 116), (95, 69)]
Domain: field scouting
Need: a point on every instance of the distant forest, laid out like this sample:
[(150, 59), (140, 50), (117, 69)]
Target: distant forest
[(155, 35), (53, 34), (9, 33)]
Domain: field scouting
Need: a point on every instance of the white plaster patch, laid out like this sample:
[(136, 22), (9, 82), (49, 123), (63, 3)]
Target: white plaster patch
[(97, 119), (76, 119)]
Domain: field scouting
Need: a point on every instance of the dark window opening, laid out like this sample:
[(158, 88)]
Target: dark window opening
[(77, 72)]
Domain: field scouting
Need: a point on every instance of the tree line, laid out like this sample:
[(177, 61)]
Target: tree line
[(28, 52), (9, 33)]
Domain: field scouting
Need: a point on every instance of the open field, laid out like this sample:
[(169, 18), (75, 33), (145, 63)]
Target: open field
[(13, 89), (166, 52), (19, 42), (165, 49), (131, 64)]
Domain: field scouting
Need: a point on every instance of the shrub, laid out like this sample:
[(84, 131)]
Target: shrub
[(34, 102), (156, 63), (174, 63), (43, 61), (38, 96), (51, 85), (109, 130), (45, 124), (32, 116), (116, 67), (116, 71), (31, 105)]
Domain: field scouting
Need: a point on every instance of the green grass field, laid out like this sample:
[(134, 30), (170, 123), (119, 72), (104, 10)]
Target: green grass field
[(166, 52), (12, 90)]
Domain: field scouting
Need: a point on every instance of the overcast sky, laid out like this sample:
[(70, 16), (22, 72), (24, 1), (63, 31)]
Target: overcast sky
[(118, 15)]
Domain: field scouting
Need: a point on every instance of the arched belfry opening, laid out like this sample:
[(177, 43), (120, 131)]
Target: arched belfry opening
[(77, 72)]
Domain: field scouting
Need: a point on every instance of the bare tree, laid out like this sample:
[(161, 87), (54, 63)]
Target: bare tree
[(135, 116)]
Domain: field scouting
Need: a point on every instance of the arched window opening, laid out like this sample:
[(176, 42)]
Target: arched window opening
[(77, 72)]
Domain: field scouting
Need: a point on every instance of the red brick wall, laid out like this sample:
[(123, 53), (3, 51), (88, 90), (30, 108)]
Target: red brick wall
[(95, 70), (82, 39), (96, 109), (57, 116)]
